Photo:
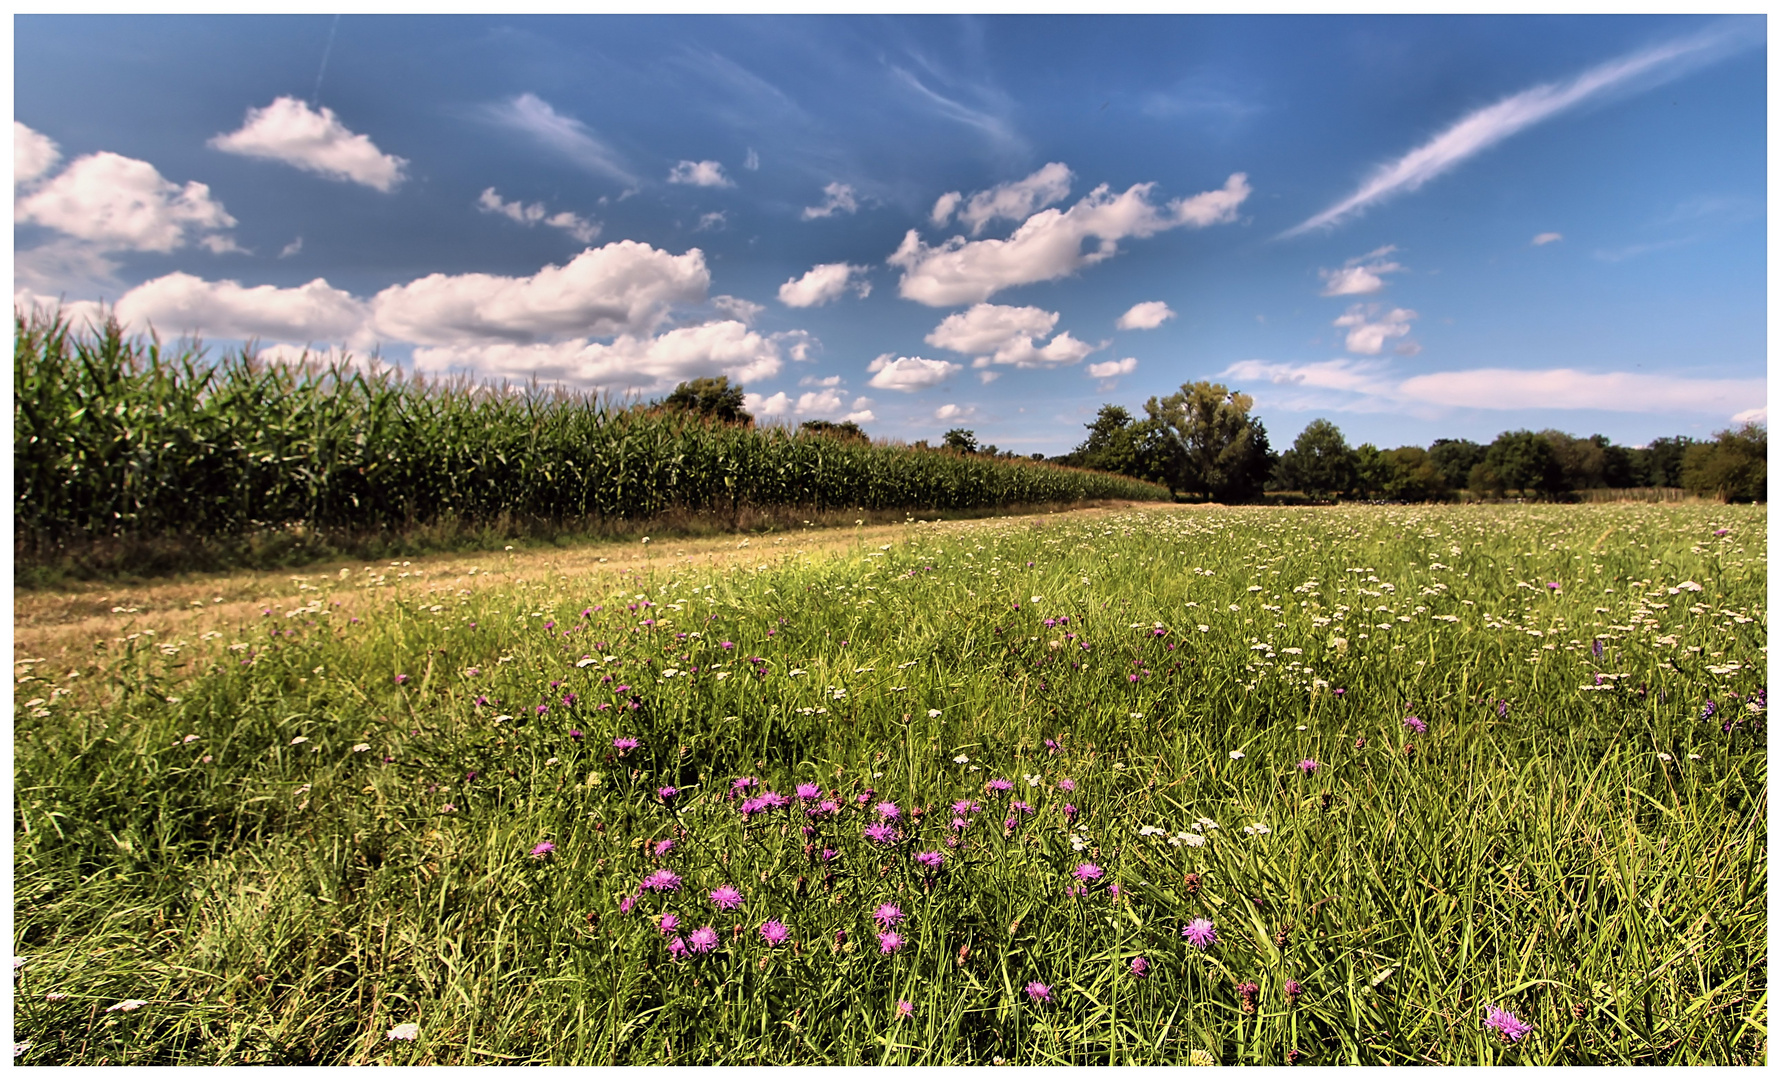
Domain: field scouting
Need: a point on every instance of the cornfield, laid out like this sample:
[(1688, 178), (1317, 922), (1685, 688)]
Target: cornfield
[(118, 437)]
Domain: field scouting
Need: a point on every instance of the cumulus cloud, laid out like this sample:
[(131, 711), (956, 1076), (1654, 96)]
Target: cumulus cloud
[(744, 311), (181, 303), (1000, 334), (529, 214), (1484, 128), (117, 203), (827, 403), (1113, 368), (838, 198), (568, 136), (955, 412), (1759, 415), (33, 154), (644, 364), (625, 287), (700, 174), (1547, 238), (292, 248), (779, 404), (1369, 330), (824, 283), (1146, 316), (1015, 200), (943, 208), (910, 373), (1370, 386), (1049, 244), (1361, 275), (288, 130)]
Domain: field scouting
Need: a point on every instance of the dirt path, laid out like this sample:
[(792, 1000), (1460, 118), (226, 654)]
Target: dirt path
[(60, 626)]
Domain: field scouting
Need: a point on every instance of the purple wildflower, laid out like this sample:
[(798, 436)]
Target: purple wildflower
[(663, 847), (1087, 872), (743, 783), (774, 932), (1293, 990), (1140, 967), (1308, 766), (905, 1010), (668, 923), (773, 800), (825, 808), (750, 807), (830, 854), (887, 915), (624, 745), (629, 902), (726, 898), (703, 940), (666, 793), (1708, 710), (882, 833), (888, 811), (1416, 725), (999, 785), (1066, 784), (400, 679), (965, 806), (806, 792), (931, 859), (574, 733), (1507, 1024), (889, 942), (958, 824), (1039, 993), (1022, 807), (1200, 933), (543, 850), (677, 948), (663, 880)]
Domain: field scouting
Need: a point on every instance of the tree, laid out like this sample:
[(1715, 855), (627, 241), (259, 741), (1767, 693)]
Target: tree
[(960, 439), (1662, 461), (1413, 476), (1733, 467), (1525, 462), (1455, 458), (1320, 462), (1206, 444), (715, 398), (1581, 463), (1373, 470), (1112, 444), (846, 430)]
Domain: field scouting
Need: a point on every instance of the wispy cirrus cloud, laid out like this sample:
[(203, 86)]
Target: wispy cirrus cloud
[(568, 136), (1490, 125)]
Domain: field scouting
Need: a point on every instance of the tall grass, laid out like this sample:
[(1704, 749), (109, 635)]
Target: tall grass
[(119, 437), (281, 843)]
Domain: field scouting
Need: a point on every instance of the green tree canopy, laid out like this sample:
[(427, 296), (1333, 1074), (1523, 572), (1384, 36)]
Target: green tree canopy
[(715, 398), (1320, 461), (961, 439), (846, 430), (1206, 442), (1733, 467)]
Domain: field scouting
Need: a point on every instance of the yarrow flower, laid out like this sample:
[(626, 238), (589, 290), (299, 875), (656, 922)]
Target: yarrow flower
[(1087, 872), (1416, 725), (1200, 933), (887, 915), (726, 898), (1038, 992), (663, 880), (774, 932), (1506, 1024), (702, 940), (403, 1032)]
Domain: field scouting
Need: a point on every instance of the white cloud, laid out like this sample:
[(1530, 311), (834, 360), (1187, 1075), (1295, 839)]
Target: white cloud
[(532, 214), (943, 208), (179, 303), (117, 203), (33, 154), (1368, 330), (1146, 316), (955, 412), (826, 403), (838, 198), (700, 174), (629, 363), (716, 219), (813, 380), (624, 287), (1547, 238), (291, 248), (744, 311), (1492, 124), (1017, 199), (80, 314), (999, 334), (910, 373), (1369, 386), (777, 405), (823, 284), (1113, 368), (1360, 276), (753, 161), (566, 135), (1049, 245), (1759, 415), (288, 130)]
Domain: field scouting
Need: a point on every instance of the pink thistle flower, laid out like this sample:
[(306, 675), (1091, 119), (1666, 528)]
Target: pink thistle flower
[(1293, 990), (668, 923), (887, 915), (999, 785), (543, 850), (663, 880), (1308, 766), (883, 833), (1087, 872), (666, 793), (807, 792), (1022, 807), (905, 1010), (1200, 933), (743, 783), (1507, 1024), (888, 811), (965, 806), (1140, 967), (889, 942), (677, 948), (774, 932), (931, 859), (751, 807), (1070, 812), (1416, 725), (1113, 890), (400, 679), (773, 800), (703, 940), (825, 808), (1039, 993), (726, 898), (663, 847), (1066, 785), (629, 902), (623, 746), (959, 823)]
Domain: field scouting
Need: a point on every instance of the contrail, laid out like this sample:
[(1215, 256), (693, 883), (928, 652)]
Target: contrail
[(1490, 125), (317, 99)]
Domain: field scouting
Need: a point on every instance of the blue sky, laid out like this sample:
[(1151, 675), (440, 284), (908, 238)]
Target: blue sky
[(1414, 227)]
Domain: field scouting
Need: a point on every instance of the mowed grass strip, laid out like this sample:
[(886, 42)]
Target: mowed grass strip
[(1411, 765)]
